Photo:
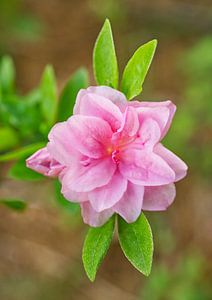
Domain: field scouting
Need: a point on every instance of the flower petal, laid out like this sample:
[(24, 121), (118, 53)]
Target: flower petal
[(73, 196), (145, 168), (60, 145), (130, 124), (93, 218), (100, 106), (129, 207), (106, 196), (128, 129), (149, 133), (179, 167), (42, 162), (111, 94), (158, 197), (89, 135), (84, 178), (162, 112)]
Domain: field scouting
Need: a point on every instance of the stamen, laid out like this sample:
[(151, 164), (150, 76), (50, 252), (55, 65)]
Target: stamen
[(115, 156)]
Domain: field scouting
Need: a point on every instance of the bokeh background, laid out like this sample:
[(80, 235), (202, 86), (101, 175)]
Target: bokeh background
[(40, 247)]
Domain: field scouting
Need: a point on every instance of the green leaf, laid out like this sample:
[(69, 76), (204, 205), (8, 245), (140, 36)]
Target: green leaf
[(48, 95), (15, 204), (104, 58), (8, 138), (79, 80), (73, 208), (137, 243), (20, 113), (95, 247), (7, 75), (136, 69), (22, 152), (20, 171)]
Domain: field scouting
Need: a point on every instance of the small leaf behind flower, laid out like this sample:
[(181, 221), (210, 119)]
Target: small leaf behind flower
[(15, 204), (137, 243), (21, 152), (104, 58), (136, 69), (96, 245), (48, 92), (7, 75), (79, 80)]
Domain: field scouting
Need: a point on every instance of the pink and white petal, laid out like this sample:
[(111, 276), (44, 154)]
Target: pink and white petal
[(39, 161), (60, 144), (84, 178), (158, 197), (162, 112), (81, 93), (177, 164), (108, 195), (73, 196), (130, 124), (93, 218), (128, 129), (42, 162), (145, 168), (99, 106), (113, 95), (89, 135), (55, 169), (149, 133), (129, 207)]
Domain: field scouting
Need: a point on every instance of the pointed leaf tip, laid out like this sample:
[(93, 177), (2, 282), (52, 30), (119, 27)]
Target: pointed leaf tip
[(7, 75), (48, 91), (104, 58), (137, 68)]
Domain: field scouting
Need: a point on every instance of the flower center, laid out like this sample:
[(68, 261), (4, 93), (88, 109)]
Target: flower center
[(116, 156)]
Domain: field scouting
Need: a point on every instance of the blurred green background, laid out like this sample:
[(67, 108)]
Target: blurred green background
[(40, 248)]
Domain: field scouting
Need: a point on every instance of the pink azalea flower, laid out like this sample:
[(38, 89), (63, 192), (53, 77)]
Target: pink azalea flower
[(109, 156)]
